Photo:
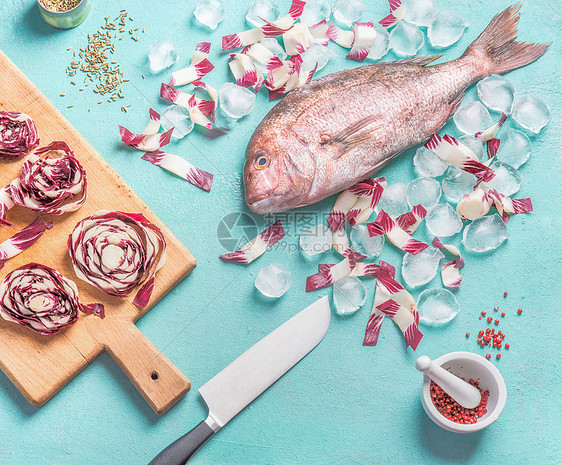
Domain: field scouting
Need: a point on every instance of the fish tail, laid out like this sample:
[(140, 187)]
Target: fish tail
[(496, 48)]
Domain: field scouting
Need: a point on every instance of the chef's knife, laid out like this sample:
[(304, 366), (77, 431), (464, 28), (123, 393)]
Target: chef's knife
[(249, 375)]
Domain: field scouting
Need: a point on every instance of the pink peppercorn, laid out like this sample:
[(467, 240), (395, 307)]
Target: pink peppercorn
[(451, 410)]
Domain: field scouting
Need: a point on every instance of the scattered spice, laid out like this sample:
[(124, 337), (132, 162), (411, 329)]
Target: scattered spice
[(453, 411), (93, 59), (59, 5), (505, 294), (489, 337)]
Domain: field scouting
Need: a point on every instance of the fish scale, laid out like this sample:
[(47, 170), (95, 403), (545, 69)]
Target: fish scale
[(341, 128)]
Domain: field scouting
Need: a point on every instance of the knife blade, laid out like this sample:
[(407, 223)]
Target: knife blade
[(237, 385)]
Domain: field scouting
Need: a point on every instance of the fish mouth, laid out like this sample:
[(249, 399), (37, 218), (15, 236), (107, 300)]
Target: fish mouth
[(262, 204), (256, 198)]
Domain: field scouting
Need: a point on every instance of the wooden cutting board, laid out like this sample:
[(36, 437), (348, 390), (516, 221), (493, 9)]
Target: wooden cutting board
[(41, 365)]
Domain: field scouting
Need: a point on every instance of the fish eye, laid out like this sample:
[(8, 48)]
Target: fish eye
[(261, 161)]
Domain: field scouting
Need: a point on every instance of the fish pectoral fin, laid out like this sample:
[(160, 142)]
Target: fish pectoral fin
[(421, 60), (455, 103), (352, 135)]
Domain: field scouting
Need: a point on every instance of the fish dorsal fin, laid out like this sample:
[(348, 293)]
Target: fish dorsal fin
[(352, 135), (421, 60)]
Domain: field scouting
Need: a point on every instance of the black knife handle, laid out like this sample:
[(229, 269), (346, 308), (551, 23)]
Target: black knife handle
[(179, 452)]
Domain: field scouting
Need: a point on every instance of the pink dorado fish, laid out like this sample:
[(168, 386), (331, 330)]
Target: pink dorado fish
[(341, 128)]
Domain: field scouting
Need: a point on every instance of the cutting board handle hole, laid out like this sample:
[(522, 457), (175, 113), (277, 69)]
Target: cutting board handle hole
[(154, 375)]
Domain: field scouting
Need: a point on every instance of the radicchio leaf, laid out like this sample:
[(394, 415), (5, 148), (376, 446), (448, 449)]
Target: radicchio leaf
[(22, 240)]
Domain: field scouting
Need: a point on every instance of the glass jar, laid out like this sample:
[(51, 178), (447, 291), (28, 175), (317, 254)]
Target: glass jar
[(65, 19)]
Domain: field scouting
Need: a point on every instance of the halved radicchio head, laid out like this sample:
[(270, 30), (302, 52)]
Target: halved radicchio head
[(51, 181), (42, 299), (116, 252), (18, 135)]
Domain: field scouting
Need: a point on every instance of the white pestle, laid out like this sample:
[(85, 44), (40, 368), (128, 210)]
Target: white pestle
[(464, 393)]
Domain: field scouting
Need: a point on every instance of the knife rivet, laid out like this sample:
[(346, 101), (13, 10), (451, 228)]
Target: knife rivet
[(154, 375)]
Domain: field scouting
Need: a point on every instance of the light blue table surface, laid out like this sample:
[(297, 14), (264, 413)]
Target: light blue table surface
[(344, 403)]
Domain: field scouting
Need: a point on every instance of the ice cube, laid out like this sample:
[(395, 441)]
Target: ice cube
[(261, 11), (273, 280), (473, 143), (419, 269), (316, 55), (349, 295), (275, 47), (443, 221), (393, 200), (515, 148), (178, 118), (210, 12), (507, 179), (485, 233), (365, 244), (381, 45), (316, 240), (424, 191), (531, 113), (348, 11), (315, 11), (406, 39), (457, 182), (429, 164), (497, 93), (471, 118), (437, 306), (162, 55), (446, 28), (419, 12), (236, 101)]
